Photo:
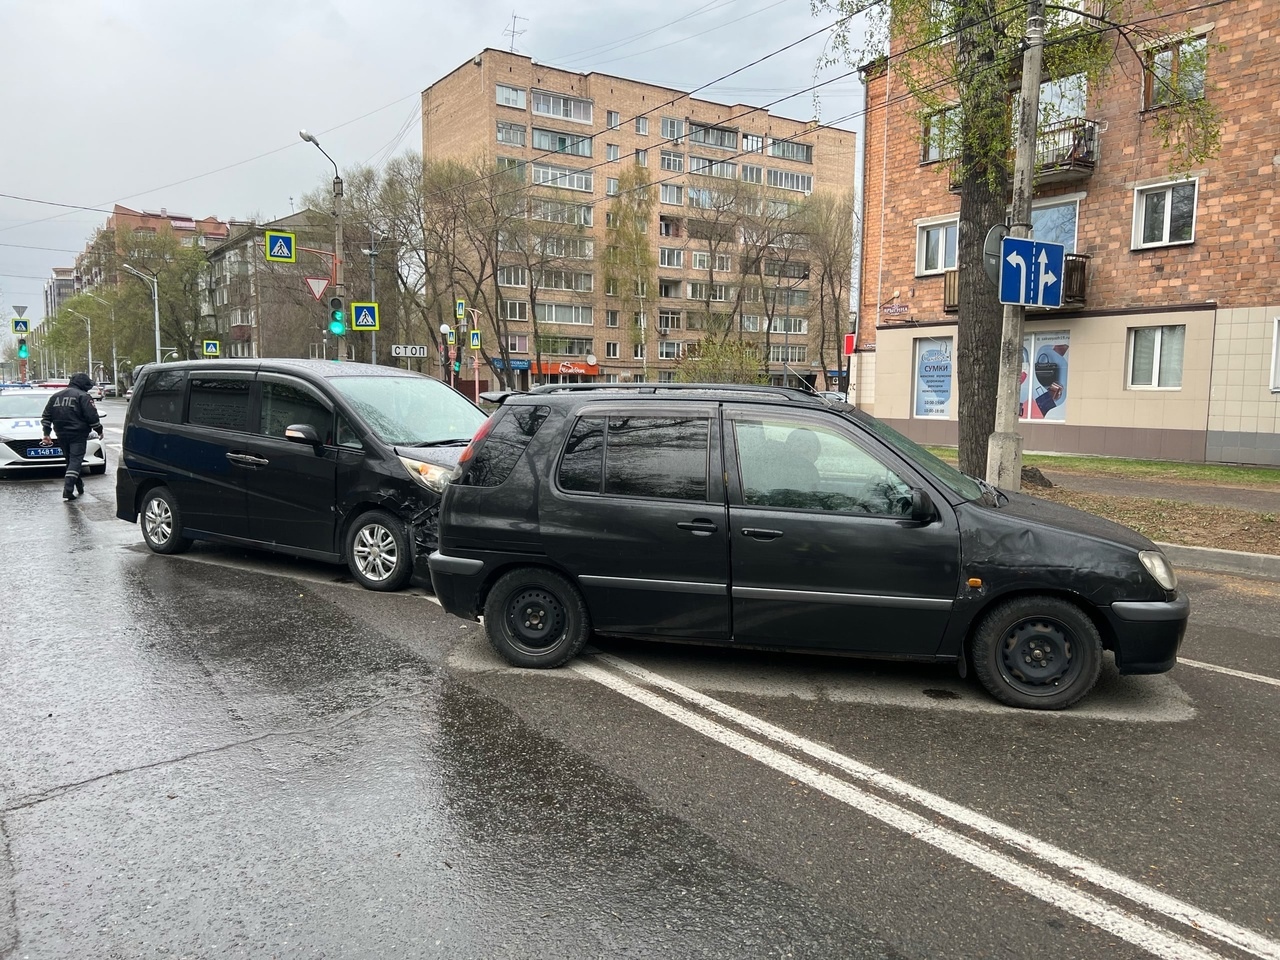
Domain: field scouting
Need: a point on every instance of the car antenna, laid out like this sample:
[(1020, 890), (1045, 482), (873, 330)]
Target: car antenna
[(804, 384)]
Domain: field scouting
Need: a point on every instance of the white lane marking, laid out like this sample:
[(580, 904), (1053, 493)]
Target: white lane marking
[(1229, 672), (1120, 923), (1079, 866)]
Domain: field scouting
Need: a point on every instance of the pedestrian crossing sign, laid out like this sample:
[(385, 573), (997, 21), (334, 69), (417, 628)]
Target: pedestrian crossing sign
[(212, 348), (475, 339), (364, 316), (279, 246), (21, 326)]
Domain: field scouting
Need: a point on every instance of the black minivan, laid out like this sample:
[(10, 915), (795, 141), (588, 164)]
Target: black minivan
[(330, 461), (762, 517)]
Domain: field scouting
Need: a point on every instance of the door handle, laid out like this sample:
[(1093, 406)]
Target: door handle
[(755, 533), (700, 528), (247, 460)]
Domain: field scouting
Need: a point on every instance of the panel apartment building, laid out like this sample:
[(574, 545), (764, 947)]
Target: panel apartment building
[(578, 131), (1167, 342)]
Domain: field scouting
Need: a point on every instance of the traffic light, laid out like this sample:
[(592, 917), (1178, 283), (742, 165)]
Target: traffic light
[(23, 350), (337, 317)]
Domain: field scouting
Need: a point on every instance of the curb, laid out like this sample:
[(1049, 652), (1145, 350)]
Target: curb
[(1262, 565)]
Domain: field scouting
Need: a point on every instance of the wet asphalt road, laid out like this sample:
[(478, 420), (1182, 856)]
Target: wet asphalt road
[(230, 755)]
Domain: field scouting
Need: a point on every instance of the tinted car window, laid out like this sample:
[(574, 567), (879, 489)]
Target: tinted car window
[(284, 404), (507, 440), (664, 457), (221, 402), (161, 399), (791, 463), (582, 466)]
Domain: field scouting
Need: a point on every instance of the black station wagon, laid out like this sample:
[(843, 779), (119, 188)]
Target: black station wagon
[(341, 462), (763, 517)]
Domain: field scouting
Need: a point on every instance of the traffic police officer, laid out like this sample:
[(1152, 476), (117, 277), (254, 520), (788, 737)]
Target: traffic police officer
[(71, 412)]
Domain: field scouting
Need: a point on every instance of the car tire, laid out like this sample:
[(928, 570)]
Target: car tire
[(536, 618), (1038, 652), (161, 522), (379, 554)]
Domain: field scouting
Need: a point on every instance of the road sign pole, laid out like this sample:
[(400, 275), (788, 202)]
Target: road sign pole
[(1004, 448)]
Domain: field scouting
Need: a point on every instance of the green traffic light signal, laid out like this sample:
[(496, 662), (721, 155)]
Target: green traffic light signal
[(23, 350), (337, 317)]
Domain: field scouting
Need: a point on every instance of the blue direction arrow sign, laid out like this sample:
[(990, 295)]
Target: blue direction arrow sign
[(212, 348), (1031, 272), (279, 246), (21, 326), (364, 316)]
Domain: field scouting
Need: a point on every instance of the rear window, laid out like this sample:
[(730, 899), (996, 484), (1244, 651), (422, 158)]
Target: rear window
[(508, 439), (161, 399), (221, 402), (658, 457)]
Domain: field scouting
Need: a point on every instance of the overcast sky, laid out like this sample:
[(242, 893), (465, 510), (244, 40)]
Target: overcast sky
[(195, 106)]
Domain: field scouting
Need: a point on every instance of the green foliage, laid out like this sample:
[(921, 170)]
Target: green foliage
[(629, 263), (722, 361)]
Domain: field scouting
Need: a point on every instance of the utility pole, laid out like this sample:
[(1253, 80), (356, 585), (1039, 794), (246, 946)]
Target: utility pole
[(1004, 448), (372, 254)]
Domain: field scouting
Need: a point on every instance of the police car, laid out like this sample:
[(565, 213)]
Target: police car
[(20, 433)]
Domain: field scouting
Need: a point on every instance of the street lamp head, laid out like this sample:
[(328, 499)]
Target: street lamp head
[(308, 137), (445, 328)]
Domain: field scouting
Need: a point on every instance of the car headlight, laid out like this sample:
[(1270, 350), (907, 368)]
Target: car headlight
[(430, 475), (1159, 568)]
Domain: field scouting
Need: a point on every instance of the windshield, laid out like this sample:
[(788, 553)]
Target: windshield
[(16, 405), (410, 411), (959, 483)]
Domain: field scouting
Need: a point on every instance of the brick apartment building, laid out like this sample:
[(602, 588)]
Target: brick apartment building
[(579, 131), (189, 231), (1168, 342)]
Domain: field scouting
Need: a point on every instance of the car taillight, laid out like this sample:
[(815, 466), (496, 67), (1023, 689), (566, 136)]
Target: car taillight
[(477, 439)]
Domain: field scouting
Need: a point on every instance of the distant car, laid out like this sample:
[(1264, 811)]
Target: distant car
[(20, 433), (128, 394), (833, 395), (108, 389)]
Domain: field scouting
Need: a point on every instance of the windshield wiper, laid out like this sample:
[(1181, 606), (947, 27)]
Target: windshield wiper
[(451, 441)]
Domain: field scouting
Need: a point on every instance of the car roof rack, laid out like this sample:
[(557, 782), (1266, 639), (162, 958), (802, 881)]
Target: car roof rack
[(754, 389)]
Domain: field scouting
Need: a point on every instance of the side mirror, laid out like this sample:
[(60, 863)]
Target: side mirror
[(922, 508), (303, 433)]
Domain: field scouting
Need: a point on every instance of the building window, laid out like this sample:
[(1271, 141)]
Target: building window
[(750, 324), (574, 313), (571, 248), (611, 350), (554, 142), (512, 167), (713, 168), (786, 180), (790, 150), (563, 177), (611, 318), (787, 325), (637, 351), (752, 174), (553, 211), (511, 97), (668, 288), (938, 138), (724, 262), (1056, 223), (611, 151), (611, 186), (671, 193), (670, 257), (642, 126), (936, 247), (721, 137), (565, 280), (556, 105), (511, 133), (517, 343), (642, 157), (1165, 214), (610, 287), (672, 129), (613, 118), (669, 350), (515, 309), (700, 259), (1155, 357), (788, 353), (511, 277), (1174, 73), (752, 143), (668, 320), (567, 346), (709, 291), (673, 161)]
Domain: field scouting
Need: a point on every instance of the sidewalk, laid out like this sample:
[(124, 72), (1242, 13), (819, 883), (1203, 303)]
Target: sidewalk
[(1206, 559)]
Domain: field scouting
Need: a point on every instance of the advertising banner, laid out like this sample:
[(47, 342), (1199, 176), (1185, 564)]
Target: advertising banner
[(933, 370), (1043, 382)]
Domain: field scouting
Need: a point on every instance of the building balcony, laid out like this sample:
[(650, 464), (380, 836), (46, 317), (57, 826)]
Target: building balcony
[(1066, 152), (1074, 285)]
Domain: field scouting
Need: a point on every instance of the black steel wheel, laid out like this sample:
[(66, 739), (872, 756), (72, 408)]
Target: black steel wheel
[(161, 522), (1038, 652), (379, 554), (536, 618)]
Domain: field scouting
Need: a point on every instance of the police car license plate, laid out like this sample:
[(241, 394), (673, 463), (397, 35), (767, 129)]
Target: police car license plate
[(37, 452)]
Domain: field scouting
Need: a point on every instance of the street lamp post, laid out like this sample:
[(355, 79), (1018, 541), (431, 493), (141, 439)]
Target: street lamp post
[(89, 324), (445, 330), (155, 299), (115, 364), (339, 286)]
